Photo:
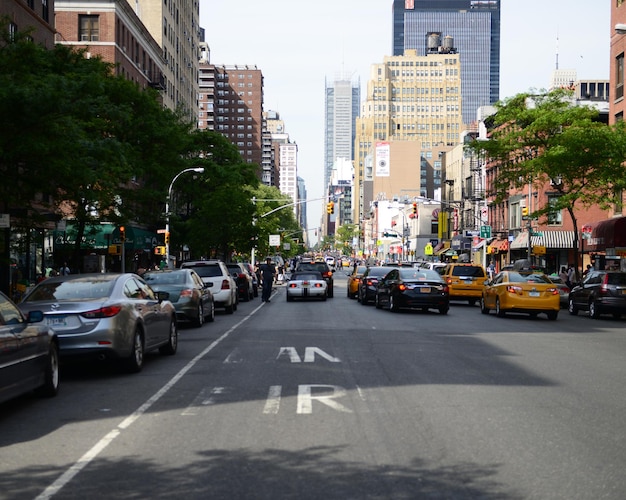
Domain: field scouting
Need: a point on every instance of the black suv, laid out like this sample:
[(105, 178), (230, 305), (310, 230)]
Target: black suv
[(602, 292), (322, 268)]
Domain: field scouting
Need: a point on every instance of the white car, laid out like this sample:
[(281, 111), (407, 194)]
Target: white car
[(223, 286), (306, 285)]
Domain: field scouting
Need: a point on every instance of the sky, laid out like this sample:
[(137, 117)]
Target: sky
[(300, 45)]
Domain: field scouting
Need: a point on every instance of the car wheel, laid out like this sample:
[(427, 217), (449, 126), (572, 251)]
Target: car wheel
[(358, 296), (50, 386), (499, 312), (289, 298), (444, 309), (364, 299), (483, 306), (229, 309), (134, 362), (172, 342), (571, 307), (393, 306), (235, 303), (348, 293), (200, 319), (594, 310), (552, 315), (324, 297), (211, 317)]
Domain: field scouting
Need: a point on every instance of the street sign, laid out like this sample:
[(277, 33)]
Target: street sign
[(485, 232), (536, 234)]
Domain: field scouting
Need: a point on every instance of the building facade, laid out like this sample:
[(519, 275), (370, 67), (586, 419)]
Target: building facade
[(475, 26), (33, 16), (342, 102)]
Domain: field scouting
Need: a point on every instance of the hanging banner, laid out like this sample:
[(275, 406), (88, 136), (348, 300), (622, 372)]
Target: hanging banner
[(382, 159)]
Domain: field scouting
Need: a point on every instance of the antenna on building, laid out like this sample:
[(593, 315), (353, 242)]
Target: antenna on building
[(557, 49)]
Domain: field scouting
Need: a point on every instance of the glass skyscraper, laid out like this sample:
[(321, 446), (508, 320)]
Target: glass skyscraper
[(475, 28)]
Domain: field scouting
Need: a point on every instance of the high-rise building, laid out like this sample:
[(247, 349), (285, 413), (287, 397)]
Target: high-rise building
[(410, 117), (343, 96), (175, 26), (475, 26)]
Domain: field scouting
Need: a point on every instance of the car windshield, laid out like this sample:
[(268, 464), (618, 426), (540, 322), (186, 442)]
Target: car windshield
[(420, 275), (313, 266), (81, 289), (378, 271), (166, 278), (528, 278), (306, 276), (475, 271)]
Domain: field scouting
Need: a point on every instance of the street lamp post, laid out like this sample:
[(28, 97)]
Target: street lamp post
[(198, 170)]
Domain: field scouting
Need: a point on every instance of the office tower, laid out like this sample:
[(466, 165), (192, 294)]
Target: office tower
[(343, 97), (475, 26), (411, 115)]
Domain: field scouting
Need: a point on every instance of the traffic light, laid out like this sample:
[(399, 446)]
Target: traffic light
[(330, 207), (122, 234), (414, 208), (524, 211), (167, 237)]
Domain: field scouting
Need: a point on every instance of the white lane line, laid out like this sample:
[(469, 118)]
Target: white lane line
[(83, 461)]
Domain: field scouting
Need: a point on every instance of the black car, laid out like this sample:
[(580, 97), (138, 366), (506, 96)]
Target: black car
[(369, 283), (243, 278), (413, 288), (29, 353), (601, 292), (322, 268), (191, 297)]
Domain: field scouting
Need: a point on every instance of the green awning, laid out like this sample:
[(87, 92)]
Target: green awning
[(101, 236)]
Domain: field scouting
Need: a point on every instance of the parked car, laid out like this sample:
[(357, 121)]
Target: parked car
[(465, 281), (322, 268), (29, 353), (369, 283), (412, 288), (242, 277), (354, 278), (217, 277), (255, 278), (521, 292), (192, 299), (563, 289), (109, 315), (306, 285), (435, 266), (601, 292)]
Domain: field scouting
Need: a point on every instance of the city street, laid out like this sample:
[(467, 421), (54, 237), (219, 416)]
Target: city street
[(337, 400)]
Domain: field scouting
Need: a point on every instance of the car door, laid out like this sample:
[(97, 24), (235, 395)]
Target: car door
[(491, 290), (385, 286), (148, 308), (203, 290)]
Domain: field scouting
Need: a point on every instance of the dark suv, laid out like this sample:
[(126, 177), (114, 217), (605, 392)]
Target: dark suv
[(245, 287), (602, 292), (322, 268)]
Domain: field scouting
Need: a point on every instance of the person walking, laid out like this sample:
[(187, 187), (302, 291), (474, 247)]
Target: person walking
[(65, 270), (268, 271)]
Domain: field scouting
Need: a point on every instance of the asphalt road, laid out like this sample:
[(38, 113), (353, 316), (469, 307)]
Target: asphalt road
[(337, 400)]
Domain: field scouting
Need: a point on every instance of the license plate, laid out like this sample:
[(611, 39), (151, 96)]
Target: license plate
[(57, 321), (468, 282), (425, 289), (305, 284), (533, 294)]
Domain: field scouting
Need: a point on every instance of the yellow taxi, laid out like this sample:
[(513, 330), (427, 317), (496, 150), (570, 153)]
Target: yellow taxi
[(354, 280), (521, 292), (465, 281)]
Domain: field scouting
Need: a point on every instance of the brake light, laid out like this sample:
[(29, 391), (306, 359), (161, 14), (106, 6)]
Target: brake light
[(445, 289), (318, 285), (188, 292), (327, 274), (402, 287), (242, 276), (449, 281), (514, 289), (103, 312), (371, 282), (225, 285), (292, 285), (604, 289)]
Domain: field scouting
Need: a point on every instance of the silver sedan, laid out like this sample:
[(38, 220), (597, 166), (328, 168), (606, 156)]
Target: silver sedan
[(115, 316), (306, 285)]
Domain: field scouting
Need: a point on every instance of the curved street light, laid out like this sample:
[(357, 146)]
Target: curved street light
[(198, 170)]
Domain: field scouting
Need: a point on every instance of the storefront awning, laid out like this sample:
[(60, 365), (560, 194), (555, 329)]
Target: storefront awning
[(441, 247), (549, 239), (498, 246), (100, 236), (608, 234)]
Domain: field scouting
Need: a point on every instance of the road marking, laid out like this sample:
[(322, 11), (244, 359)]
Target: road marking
[(309, 355), (305, 398), (272, 404), (83, 461), (203, 399)]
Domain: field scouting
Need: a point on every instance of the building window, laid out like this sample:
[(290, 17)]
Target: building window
[(89, 28), (555, 217), (619, 76)]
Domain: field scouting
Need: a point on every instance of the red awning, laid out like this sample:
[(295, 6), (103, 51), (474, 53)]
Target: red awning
[(609, 233)]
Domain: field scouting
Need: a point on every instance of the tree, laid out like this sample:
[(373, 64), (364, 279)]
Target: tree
[(344, 237), (548, 139)]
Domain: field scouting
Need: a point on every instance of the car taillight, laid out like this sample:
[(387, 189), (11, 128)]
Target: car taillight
[(371, 282), (103, 312), (242, 276), (188, 292), (327, 274), (225, 285), (553, 291), (318, 285), (292, 285), (402, 287), (514, 289), (449, 280), (604, 288)]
